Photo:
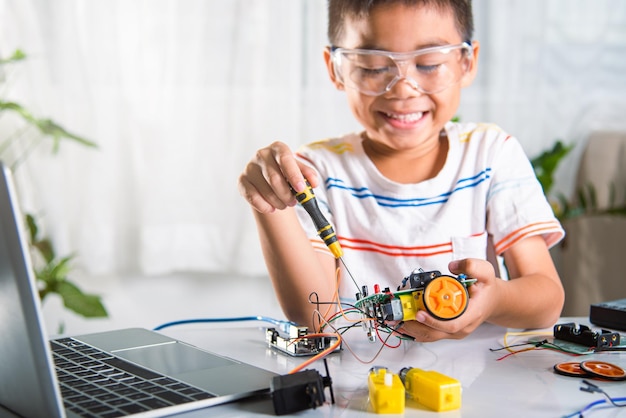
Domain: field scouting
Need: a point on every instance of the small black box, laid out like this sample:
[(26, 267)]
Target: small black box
[(609, 314), (297, 392)]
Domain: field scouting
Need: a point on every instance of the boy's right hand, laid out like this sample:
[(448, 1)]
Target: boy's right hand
[(266, 179)]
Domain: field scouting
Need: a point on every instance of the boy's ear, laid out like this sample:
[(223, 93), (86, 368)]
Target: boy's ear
[(330, 66), (469, 76)]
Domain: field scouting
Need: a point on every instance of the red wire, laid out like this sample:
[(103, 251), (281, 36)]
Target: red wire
[(385, 340)]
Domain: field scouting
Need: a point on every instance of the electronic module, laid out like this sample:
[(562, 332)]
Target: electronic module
[(296, 341), (444, 297)]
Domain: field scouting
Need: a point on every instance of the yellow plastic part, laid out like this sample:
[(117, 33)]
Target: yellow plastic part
[(410, 304), (433, 389), (387, 393), (445, 297), (336, 249)]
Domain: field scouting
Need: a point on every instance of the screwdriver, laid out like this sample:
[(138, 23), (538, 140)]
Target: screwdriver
[(307, 199)]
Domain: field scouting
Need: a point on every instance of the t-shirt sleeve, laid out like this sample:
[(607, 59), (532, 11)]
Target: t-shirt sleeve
[(517, 208)]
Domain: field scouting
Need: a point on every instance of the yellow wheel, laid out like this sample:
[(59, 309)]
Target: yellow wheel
[(445, 297)]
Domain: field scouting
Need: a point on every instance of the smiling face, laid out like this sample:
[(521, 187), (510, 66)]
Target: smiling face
[(403, 119)]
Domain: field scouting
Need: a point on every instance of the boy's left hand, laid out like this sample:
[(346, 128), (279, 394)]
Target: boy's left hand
[(483, 297)]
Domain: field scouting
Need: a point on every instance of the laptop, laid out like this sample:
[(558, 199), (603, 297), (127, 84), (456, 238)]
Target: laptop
[(125, 372)]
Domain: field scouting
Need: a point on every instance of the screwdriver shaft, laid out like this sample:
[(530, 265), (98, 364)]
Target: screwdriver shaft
[(349, 274)]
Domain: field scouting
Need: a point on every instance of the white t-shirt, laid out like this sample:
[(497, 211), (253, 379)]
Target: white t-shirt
[(485, 199)]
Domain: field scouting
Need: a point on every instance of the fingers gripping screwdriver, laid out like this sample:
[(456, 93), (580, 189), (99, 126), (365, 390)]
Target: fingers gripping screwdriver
[(307, 199)]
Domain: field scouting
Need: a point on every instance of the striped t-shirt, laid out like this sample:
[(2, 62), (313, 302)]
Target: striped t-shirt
[(484, 200)]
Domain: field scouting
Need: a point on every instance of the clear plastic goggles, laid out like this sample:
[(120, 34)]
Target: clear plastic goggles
[(429, 70)]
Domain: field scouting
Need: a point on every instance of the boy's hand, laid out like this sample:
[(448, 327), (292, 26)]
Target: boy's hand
[(482, 301), (266, 179)]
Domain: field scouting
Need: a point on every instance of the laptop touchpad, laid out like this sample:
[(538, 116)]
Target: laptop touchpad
[(173, 358)]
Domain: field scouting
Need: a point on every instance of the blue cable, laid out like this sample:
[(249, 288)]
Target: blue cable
[(234, 319), (591, 405)]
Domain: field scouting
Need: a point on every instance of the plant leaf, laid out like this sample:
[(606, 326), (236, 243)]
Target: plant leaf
[(45, 248), (47, 127), (74, 299), (18, 55), (51, 277), (565, 206), (17, 108), (547, 162), (582, 199), (33, 229), (593, 197), (61, 269), (51, 128)]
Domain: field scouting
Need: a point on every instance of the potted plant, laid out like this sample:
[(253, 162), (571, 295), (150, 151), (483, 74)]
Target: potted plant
[(51, 270), (585, 201)]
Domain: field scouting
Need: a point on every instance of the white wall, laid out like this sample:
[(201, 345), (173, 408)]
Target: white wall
[(178, 95), (148, 302)]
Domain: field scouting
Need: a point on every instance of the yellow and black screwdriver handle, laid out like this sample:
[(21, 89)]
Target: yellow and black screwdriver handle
[(324, 229)]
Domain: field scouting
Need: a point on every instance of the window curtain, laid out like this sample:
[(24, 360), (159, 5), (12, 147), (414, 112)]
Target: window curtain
[(179, 95), (549, 70)]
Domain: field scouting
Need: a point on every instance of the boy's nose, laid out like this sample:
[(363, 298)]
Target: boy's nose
[(403, 78), (402, 84)]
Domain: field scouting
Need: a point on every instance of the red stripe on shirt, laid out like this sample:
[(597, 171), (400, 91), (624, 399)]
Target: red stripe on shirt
[(394, 250), (529, 230)]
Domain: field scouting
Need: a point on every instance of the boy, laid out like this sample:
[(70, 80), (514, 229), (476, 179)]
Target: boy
[(413, 189)]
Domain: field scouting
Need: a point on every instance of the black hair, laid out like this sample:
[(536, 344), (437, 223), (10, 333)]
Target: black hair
[(340, 10)]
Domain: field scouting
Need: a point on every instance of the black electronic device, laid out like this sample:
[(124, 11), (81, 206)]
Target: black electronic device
[(299, 391), (609, 314), (583, 335)]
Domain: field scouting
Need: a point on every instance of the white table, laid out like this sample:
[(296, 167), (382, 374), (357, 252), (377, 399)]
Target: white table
[(520, 385)]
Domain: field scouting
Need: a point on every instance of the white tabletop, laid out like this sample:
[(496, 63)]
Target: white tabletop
[(519, 385)]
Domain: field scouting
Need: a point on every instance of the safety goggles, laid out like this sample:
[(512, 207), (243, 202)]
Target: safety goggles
[(429, 70)]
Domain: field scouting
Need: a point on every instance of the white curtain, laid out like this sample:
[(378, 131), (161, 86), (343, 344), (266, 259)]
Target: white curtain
[(179, 94), (551, 69)]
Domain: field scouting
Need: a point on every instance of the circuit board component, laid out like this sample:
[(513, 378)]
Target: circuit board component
[(444, 297), (295, 341)]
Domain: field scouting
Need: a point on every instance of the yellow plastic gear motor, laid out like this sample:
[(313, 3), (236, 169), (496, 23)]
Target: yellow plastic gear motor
[(432, 389), (387, 393)]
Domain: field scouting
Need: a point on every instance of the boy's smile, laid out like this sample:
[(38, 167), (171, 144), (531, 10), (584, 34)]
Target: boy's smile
[(403, 121)]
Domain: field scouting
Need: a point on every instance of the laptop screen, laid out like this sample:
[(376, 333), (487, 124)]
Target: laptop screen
[(27, 382)]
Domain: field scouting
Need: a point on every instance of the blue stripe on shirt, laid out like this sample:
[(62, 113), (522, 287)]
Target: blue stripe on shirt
[(364, 192)]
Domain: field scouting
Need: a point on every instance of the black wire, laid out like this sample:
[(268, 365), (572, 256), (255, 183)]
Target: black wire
[(536, 344), (317, 322), (362, 312), (382, 323), (407, 336), (346, 328), (594, 388)]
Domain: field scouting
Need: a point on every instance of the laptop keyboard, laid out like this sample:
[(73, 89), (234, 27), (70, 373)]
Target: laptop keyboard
[(96, 384)]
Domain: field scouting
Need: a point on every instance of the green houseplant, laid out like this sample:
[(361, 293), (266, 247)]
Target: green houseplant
[(585, 200), (51, 270), (590, 254)]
